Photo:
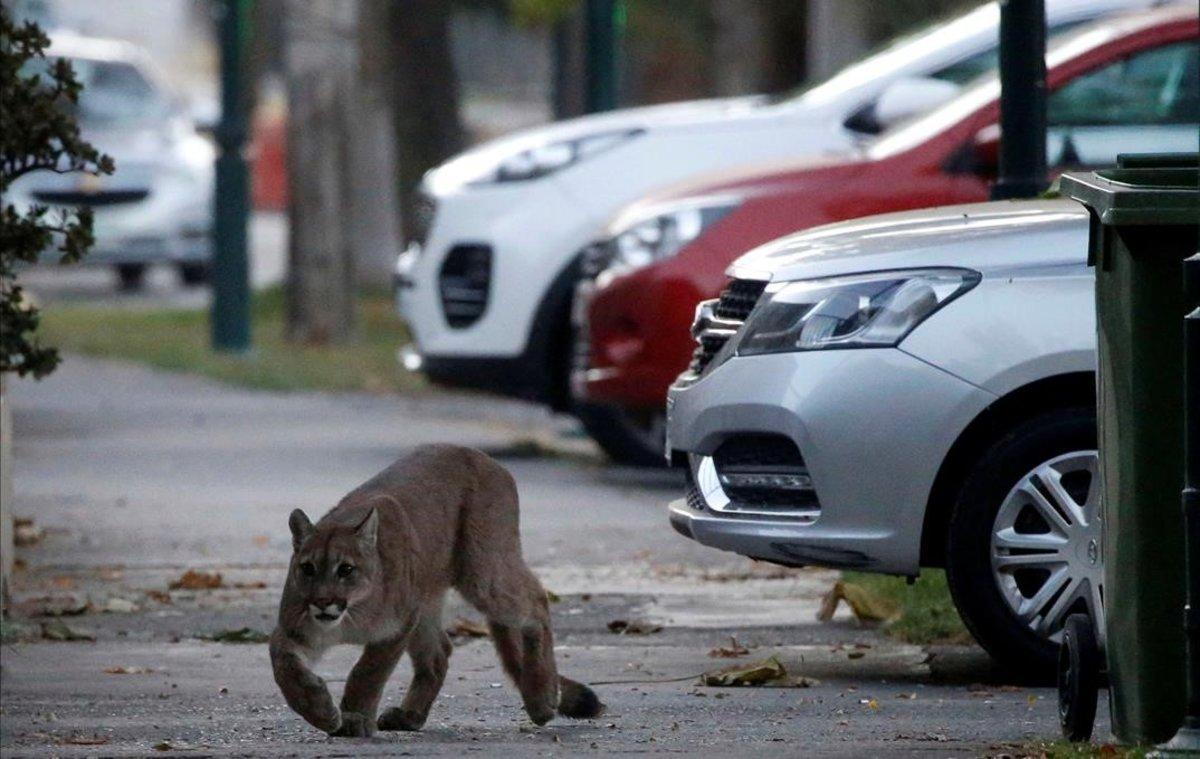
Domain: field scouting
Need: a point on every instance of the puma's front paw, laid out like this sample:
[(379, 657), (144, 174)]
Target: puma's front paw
[(401, 719), (354, 725)]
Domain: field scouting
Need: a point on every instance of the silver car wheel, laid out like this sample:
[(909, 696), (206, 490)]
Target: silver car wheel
[(1047, 556)]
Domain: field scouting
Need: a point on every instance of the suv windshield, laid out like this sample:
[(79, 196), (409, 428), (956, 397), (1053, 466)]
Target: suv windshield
[(115, 93), (935, 33)]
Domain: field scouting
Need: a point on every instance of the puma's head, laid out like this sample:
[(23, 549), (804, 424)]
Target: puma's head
[(333, 566)]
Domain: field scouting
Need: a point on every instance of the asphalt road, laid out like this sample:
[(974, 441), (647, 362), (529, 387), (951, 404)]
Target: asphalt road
[(96, 284), (135, 476)]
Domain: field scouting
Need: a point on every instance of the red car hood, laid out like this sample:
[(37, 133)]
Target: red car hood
[(748, 182)]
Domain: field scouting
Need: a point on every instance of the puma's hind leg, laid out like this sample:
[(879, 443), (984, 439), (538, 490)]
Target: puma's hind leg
[(527, 655), (574, 698), (429, 648), (519, 619)]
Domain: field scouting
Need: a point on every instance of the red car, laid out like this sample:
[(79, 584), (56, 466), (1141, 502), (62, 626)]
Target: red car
[(1123, 85)]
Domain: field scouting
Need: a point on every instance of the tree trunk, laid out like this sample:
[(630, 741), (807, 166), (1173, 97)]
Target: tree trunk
[(321, 94), (426, 119), (6, 494), (375, 205), (786, 44), (738, 46), (837, 34)]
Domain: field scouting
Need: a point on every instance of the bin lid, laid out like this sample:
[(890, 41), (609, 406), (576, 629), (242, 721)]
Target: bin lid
[(1156, 188)]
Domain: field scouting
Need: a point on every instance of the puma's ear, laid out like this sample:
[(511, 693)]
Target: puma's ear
[(368, 528), (301, 528)]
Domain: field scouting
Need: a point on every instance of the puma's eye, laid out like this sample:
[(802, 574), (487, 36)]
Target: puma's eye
[(308, 569), (345, 570)]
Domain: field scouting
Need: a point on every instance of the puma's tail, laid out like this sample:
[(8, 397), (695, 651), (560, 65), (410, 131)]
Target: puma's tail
[(577, 700)]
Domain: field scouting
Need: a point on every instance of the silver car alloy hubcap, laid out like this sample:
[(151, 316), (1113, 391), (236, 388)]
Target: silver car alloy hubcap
[(1047, 555)]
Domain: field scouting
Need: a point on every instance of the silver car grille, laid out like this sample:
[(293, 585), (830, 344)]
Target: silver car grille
[(718, 320)]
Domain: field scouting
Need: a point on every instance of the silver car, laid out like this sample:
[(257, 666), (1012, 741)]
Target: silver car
[(906, 391), (157, 206)]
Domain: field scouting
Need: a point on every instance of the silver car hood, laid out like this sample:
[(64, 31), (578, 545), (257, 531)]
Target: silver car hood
[(991, 238)]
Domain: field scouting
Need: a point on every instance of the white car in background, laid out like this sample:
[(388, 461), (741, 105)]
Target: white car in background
[(487, 284), (157, 206), (905, 391)]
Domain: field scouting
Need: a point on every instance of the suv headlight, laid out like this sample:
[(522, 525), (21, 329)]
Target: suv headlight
[(661, 232), (861, 311), (546, 159)]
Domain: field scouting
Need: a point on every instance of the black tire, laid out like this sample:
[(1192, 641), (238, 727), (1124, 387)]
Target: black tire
[(969, 542), (193, 274), (1078, 678), (627, 437), (130, 276)]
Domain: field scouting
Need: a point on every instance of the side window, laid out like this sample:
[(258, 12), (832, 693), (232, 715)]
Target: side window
[(988, 60), (969, 68), (1159, 86)]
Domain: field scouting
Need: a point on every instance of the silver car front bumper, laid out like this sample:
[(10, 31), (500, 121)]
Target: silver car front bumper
[(873, 427)]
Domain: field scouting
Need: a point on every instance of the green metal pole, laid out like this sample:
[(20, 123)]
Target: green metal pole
[(230, 273), (1022, 171), (600, 70)]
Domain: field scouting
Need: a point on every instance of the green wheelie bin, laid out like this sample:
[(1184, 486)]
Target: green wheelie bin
[(1145, 218)]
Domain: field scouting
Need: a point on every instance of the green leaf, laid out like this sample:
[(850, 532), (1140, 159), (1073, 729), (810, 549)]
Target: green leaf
[(40, 134)]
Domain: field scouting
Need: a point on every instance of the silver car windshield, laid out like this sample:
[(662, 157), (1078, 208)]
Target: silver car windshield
[(115, 93)]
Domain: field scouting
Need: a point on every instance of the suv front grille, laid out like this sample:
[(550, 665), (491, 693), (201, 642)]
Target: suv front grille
[(90, 199), (465, 283), (728, 313)]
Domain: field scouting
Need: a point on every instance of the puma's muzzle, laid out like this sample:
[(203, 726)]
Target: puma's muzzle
[(327, 612)]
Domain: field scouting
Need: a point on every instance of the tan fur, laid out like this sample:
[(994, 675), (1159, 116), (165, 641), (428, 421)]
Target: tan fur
[(443, 517)]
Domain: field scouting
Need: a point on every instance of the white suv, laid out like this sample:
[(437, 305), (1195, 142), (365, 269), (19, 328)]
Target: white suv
[(905, 391), (486, 286)]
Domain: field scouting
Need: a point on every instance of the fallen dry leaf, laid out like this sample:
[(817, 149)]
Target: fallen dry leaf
[(162, 596), (765, 673), (260, 541), (83, 740), (240, 635), (127, 670), (172, 746), (193, 580), (633, 627), (59, 630), (467, 628), (866, 606), (251, 585), (25, 532), (118, 605), (732, 651), (65, 605), (63, 582)]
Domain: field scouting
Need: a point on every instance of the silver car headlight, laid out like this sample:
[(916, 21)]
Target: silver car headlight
[(861, 311), (546, 159)]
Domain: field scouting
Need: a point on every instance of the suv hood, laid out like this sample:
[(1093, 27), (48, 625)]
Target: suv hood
[(476, 163), (995, 238)]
